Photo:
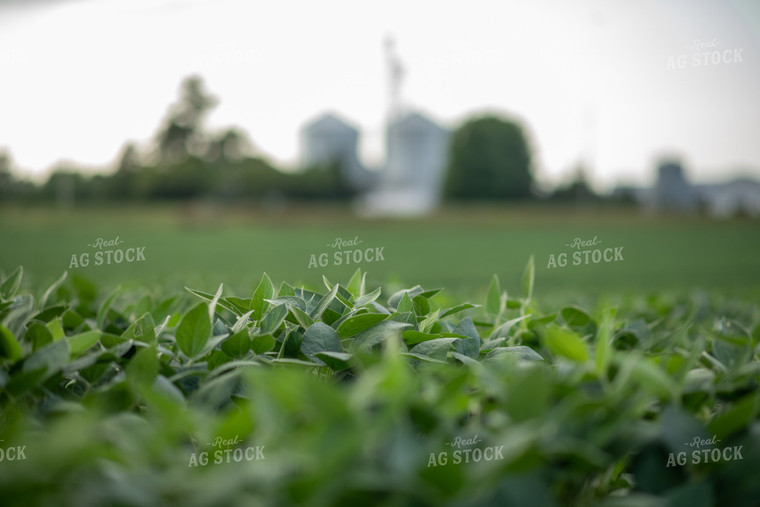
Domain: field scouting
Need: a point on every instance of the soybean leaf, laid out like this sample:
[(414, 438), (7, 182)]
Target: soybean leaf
[(55, 327), (428, 293), (105, 307), (527, 279), (38, 334), (11, 284), (457, 309), (53, 287), (367, 298), (356, 284), (273, 319), (520, 352), (377, 334), (143, 367), (242, 322), (194, 330), (301, 317), (428, 322), (503, 330), (237, 345), (494, 298), (469, 346), (9, 346), (213, 303), (320, 338), (565, 342), (358, 323), (421, 305), (436, 349), (405, 304), (412, 337), (262, 343), (324, 302), (393, 301), (263, 292), (209, 297), (144, 330), (50, 358), (81, 342), (337, 361)]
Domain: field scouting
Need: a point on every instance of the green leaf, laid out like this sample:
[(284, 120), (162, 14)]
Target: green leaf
[(405, 305), (579, 320), (421, 305), (356, 284), (393, 301), (53, 287), (736, 416), (143, 330), (241, 305), (143, 367), (412, 337), (653, 378), (213, 303), (194, 330), (105, 307), (566, 343), (263, 292), (469, 346), (324, 302), (337, 361), (9, 346), (320, 338), (11, 284), (437, 348), (376, 334), (604, 344), (367, 298), (427, 323), (55, 327), (50, 358), (262, 343), (81, 342), (527, 279), (358, 323), (457, 309), (242, 322), (493, 306), (301, 317), (503, 330), (273, 319), (519, 352), (38, 335), (237, 345), (209, 297)]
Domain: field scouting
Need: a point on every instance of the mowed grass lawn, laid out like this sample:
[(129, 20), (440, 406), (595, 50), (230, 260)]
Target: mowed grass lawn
[(458, 248)]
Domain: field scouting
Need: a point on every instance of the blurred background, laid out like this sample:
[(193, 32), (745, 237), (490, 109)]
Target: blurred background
[(229, 138)]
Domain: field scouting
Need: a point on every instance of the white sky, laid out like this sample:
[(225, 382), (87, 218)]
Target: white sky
[(588, 78)]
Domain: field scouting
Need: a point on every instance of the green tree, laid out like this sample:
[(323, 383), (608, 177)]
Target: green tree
[(489, 158), (182, 133)]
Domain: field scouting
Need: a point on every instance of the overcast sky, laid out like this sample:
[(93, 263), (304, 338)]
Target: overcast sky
[(590, 79)]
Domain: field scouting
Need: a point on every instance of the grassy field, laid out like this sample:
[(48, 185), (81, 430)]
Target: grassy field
[(460, 249)]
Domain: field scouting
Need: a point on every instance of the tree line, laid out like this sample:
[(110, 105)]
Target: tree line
[(489, 159)]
